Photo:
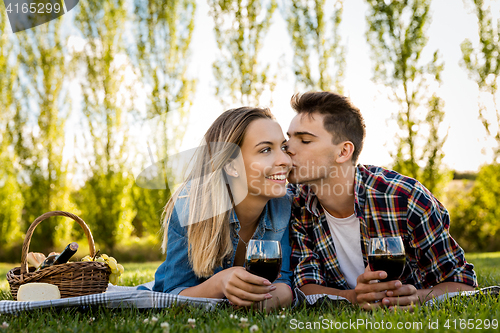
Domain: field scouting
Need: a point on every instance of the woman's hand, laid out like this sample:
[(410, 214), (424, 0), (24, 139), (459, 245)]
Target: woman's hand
[(242, 288)]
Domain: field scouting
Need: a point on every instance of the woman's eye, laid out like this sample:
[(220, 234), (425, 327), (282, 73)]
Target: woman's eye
[(284, 148), (306, 142), (265, 150)]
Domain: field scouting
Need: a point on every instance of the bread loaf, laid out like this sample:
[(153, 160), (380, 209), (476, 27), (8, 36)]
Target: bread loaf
[(35, 259), (35, 291)]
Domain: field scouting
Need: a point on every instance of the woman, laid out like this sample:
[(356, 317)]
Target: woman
[(234, 193)]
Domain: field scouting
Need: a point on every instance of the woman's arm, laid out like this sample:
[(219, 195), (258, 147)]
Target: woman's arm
[(240, 287)]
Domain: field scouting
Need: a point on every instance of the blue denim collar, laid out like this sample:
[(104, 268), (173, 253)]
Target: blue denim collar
[(264, 222)]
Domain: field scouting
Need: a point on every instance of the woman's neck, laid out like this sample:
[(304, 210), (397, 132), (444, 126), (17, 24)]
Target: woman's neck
[(248, 212)]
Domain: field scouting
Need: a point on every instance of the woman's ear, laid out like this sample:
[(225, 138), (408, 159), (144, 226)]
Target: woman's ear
[(231, 170), (346, 151)]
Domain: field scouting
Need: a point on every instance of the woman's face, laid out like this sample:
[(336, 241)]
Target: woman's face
[(265, 162)]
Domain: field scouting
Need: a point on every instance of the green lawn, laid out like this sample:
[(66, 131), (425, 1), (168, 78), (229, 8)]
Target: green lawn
[(454, 315)]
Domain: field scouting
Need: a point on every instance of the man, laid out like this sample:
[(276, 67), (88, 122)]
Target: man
[(341, 205)]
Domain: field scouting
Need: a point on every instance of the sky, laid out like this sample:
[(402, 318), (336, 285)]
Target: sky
[(466, 147)]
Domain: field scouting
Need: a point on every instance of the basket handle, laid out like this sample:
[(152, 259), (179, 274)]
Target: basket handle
[(29, 233)]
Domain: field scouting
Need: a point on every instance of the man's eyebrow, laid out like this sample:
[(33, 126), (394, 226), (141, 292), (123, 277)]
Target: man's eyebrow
[(301, 133), (264, 143)]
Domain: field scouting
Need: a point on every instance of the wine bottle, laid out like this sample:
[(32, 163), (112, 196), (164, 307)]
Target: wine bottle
[(61, 258)]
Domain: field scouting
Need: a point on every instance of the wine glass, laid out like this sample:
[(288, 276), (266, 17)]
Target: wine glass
[(387, 254), (263, 258)]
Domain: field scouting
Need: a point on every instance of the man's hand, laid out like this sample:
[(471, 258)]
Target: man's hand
[(405, 297), (370, 293)]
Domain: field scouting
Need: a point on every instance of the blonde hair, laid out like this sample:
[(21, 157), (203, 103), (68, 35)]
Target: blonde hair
[(208, 192)]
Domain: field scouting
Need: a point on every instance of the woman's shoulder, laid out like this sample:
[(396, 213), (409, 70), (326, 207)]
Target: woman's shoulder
[(279, 211)]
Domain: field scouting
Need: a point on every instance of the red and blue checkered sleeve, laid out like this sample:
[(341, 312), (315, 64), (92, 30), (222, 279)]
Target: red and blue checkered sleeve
[(305, 261), (438, 255)]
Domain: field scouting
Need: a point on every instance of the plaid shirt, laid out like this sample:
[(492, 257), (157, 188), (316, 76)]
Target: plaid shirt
[(386, 204)]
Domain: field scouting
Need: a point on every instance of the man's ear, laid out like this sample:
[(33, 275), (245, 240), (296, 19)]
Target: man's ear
[(346, 151), (231, 170)]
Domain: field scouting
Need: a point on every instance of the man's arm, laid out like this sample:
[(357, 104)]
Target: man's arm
[(438, 256), (311, 289), (407, 296), (305, 262)]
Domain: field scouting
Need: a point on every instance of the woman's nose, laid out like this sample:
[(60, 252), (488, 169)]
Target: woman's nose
[(284, 159)]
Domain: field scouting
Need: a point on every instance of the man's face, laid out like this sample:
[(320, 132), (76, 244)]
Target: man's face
[(311, 149)]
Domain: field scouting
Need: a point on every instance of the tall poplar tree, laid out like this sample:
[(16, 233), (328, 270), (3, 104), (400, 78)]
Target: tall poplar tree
[(163, 33), (43, 64), (11, 200), (483, 66), (319, 56), (240, 29), (397, 37), (105, 200)]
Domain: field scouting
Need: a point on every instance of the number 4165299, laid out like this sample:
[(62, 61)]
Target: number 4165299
[(34, 8), (477, 324)]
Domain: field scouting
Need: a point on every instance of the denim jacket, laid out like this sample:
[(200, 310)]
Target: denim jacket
[(176, 274)]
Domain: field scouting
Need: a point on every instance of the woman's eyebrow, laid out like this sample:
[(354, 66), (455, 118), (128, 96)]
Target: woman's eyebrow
[(264, 143)]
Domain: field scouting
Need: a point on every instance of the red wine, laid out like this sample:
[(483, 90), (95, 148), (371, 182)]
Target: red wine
[(61, 258), (266, 268), (393, 265)]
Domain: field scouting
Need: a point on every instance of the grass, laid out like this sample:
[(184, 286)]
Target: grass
[(453, 315)]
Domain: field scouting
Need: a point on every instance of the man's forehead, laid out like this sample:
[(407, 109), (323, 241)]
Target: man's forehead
[(309, 121)]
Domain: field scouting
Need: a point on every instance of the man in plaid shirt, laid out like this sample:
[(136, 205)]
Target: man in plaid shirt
[(341, 205)]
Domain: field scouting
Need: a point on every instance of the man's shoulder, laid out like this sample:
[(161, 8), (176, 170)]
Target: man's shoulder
[(386, 180)]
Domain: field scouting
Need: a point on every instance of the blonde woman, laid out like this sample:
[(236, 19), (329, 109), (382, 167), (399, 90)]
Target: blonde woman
[(235, 192)]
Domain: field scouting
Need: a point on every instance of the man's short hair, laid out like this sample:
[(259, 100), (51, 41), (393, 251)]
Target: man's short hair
[(342, 119)]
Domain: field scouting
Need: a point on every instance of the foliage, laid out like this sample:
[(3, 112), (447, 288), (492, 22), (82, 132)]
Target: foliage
[(163, 31), (11, 200), (39, 148), (397, 37), (308, 28), (483, 66), (240, 29), (476, 212), (106, 195)]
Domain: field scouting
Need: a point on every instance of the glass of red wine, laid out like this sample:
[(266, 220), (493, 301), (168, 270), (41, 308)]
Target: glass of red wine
[(263, 258), (387, 254)]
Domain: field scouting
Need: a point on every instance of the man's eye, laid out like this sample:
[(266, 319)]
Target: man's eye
[(284, 148), (305, 142)]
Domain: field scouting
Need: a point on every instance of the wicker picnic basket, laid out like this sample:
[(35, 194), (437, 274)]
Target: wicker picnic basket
[(73, 279)]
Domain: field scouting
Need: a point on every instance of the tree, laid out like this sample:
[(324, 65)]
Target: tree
[(475, 212), (240, 29), (105, 199), (312, 44), (397, 38), (163, 31), (11, 200), (39, 147), (483, 66)]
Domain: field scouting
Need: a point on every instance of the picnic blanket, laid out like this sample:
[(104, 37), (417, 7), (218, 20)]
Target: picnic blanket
[(493, 290), (126, 297), (114, 297)]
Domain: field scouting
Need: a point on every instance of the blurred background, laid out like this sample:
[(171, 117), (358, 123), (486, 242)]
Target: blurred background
[(89, 100)]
